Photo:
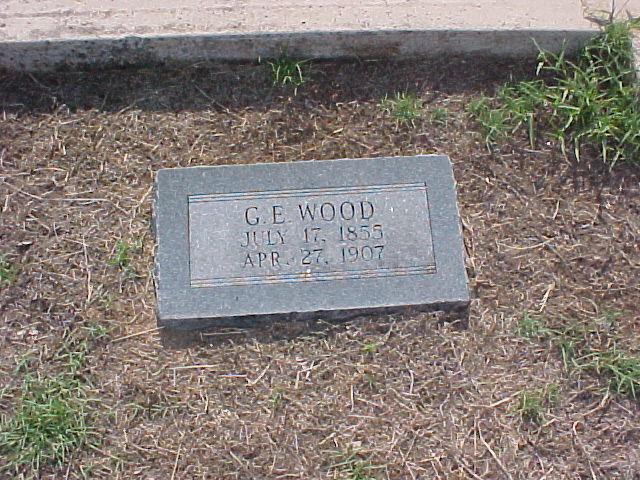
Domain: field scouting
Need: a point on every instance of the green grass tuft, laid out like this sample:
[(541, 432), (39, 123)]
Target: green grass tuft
[(8, 272), (123, 256), (351, 466), (52, 414), (439, 116), (370, 348), (552, 394), (531, 326), (288, 71), (530, 406), (406, 108), (621, 370), (276, 398), (589, 104), (49, 422), (591, 347)]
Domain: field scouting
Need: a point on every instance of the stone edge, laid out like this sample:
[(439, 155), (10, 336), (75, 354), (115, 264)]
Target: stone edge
[(136, 51), (457, 310)]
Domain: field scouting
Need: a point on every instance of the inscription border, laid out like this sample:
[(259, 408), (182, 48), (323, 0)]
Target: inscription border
[(426, 269)]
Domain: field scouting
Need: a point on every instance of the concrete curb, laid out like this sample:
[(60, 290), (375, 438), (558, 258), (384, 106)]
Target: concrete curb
[(47, 55)]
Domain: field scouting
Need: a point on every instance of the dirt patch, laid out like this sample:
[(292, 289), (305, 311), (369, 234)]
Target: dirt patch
[(411, 396)]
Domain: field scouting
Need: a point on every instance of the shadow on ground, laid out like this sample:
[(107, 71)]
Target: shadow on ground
[(224, 86)]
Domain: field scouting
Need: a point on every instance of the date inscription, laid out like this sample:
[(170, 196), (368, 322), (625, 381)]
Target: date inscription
[(309, 235)]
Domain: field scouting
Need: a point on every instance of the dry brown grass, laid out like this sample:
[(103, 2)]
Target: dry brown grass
[(413, 397)]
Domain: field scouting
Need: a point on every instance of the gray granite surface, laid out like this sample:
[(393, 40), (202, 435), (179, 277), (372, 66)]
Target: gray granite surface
[(328, 239)]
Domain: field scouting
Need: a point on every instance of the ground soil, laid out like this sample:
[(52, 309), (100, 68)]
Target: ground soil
[(413, 397)]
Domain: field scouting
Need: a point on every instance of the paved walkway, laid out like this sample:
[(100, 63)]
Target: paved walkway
[(45, 34)]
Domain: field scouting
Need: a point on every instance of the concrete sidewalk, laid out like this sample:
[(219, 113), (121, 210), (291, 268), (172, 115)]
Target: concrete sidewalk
[(51, 34)]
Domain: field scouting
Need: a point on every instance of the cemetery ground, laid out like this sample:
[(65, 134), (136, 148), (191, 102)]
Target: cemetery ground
[(541, 383)]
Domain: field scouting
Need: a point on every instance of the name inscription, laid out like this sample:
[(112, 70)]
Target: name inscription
[(309, 235)]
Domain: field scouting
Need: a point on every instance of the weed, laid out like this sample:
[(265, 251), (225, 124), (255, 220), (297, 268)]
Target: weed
[(23, 362), (101, 296), (518, 104), (351, 466), (49, 422), (73, 354), (370, 380), (585, 105), (51, 413), (105, 300), (491, 120), (276, 398), (151, 409), (95, 330), (8, 272), (532, 403), (288, 71), (405, 107), (161, 410), (621, 369), (87, 471), (591, 348), (609, 319), (123, 256), (552, 394), (567, 347), (370, 347), (531, 327), (3, 391), (439, 116), (530, 406)]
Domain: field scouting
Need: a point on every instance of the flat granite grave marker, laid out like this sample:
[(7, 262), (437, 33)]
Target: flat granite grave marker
[(313, 239)]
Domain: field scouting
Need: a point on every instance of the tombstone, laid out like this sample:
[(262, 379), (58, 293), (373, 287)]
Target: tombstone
[(315, 239)]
